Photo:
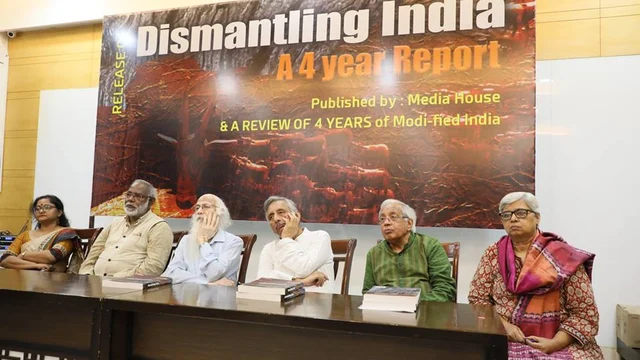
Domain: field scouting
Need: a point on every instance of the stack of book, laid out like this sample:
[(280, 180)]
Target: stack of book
[(270, 290), (138, 282), (390, 317), (391, 299)]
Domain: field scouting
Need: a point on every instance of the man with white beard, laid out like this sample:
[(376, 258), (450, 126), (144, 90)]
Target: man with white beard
[(208, 254), (136, 244)]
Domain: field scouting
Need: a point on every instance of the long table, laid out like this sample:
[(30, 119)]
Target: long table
[(73, 316), (53, 314)]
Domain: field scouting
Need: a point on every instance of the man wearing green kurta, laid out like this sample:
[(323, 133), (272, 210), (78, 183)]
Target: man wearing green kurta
[(408, 259)]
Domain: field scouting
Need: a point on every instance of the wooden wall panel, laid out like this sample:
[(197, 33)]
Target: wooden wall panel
[(549, 6), (580, 38), (13, 189), (567, 16), (20, 152), (50, 75), (22, 114), (95, 70), (14, 222), (621, 11), (587, 28), (621, 35), (60, 58), (615, 3), (57, 41)]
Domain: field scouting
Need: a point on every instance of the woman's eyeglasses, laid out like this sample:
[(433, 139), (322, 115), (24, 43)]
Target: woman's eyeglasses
[(520, 214), (43, 208)]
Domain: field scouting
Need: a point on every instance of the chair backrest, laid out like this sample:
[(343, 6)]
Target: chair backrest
[(87, 237), (177, 236), (248, 241), (343, 250), (453, 253)]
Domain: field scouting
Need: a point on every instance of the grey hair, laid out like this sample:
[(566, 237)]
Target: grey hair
[(528, 198), (151, 191), (272, 199), (223, 214), (406, 210)]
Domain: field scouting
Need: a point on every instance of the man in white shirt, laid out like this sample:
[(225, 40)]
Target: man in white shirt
[(298, 253)]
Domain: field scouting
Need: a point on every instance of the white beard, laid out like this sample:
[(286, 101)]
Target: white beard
[(139, 211), (192, 249)]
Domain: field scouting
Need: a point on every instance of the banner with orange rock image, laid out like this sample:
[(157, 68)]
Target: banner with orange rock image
[(337, 105)]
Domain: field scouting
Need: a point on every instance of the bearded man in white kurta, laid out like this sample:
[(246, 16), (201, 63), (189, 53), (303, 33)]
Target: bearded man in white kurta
[(298, 254)]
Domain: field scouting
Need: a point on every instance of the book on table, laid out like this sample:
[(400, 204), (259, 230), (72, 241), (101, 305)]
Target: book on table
[(391, 299), (138, 282), (271, 297), (270, 286), (273, 306), (270, 290), (390, 317)]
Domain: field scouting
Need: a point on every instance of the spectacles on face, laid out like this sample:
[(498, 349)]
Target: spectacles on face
[(134, 195), (204, 207), (393, 218), (520, 214), (45, 207)]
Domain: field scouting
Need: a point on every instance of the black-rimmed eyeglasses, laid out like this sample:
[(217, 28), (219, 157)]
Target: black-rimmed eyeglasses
[(520, 214)]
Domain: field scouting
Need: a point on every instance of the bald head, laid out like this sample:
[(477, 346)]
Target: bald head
[(209, 198)]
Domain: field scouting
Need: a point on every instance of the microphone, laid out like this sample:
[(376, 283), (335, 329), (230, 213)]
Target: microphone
[(24, 227)]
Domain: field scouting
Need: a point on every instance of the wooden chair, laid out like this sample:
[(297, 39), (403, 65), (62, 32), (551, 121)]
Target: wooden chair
[(343, 250), (177, 236), (248, 240), (87, 238), (453, 253)]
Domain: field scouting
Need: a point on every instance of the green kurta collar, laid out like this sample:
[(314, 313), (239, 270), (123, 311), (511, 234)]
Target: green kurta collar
[(412, 239)]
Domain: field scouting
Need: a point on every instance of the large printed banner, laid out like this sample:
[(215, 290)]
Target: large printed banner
[(337, 105)]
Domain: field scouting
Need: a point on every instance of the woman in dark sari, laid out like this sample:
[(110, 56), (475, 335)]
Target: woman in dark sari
[(49, 246), (540, 286)]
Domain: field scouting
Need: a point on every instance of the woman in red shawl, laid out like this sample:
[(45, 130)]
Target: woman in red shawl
[(540, 286)]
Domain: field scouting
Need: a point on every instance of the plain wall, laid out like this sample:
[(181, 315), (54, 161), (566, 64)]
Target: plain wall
[(63, 158)]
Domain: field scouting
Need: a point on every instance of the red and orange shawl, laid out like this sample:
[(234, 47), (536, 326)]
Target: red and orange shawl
[(549, 263)]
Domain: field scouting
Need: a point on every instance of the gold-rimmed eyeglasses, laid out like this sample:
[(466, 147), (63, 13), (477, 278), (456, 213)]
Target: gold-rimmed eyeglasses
[(393, 218), (46, 207), (205, 207), (135, 195)]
